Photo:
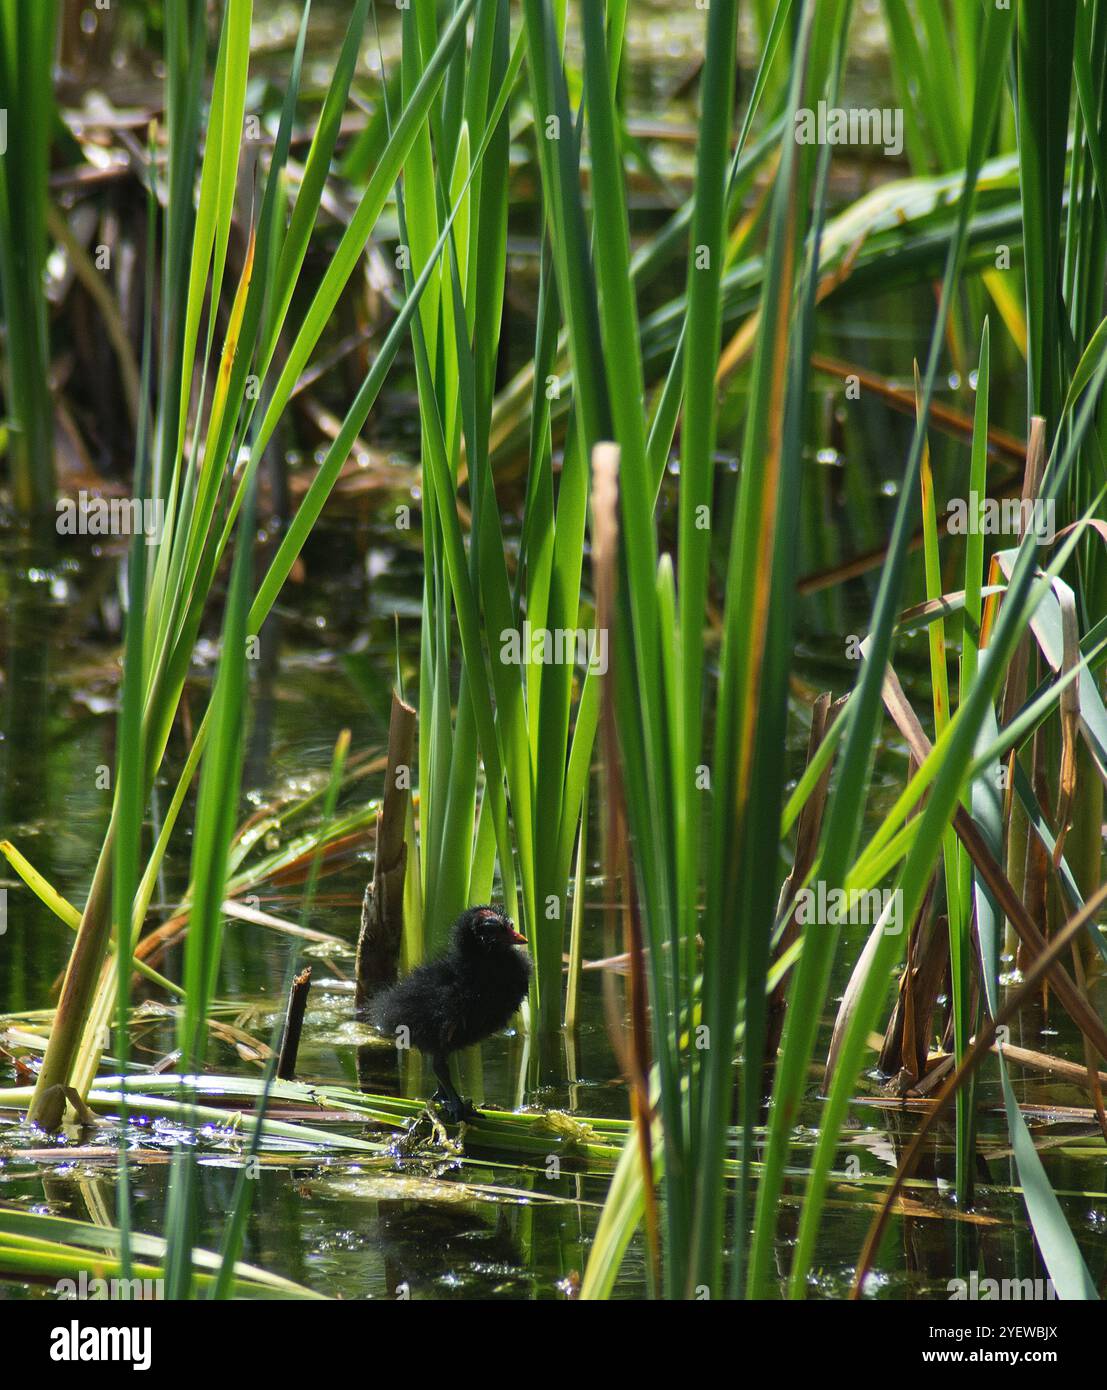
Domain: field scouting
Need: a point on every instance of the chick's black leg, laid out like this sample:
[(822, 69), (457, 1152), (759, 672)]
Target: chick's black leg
[(445, 1092), (455, 1107)]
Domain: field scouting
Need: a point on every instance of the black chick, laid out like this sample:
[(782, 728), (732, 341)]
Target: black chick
[(463, 996)]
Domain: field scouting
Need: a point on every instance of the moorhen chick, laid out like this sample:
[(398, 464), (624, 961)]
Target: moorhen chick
[(459, 998)]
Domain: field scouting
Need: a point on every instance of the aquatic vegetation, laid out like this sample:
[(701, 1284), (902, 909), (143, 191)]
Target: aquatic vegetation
[(814, 699), (27, 35)]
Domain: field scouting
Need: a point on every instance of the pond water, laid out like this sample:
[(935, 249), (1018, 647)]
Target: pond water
[(333, 1224)]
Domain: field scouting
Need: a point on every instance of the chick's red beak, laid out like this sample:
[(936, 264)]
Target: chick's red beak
[(516, 935)]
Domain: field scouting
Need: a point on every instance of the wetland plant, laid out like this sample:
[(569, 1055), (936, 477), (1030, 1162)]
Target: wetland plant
[(585, 494)]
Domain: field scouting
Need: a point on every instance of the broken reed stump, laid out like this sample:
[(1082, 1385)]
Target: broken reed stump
[(906, 1049), (382, 911), (925, 974), (293, 1025)]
